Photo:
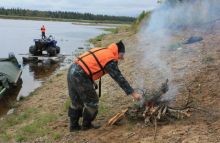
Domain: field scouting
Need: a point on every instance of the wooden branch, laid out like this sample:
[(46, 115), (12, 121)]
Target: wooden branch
[(118, 117), (155, 128)]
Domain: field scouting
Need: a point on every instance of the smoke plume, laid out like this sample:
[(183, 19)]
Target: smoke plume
[(155, 34)]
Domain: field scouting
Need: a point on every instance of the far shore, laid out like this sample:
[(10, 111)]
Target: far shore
[(75, 21)]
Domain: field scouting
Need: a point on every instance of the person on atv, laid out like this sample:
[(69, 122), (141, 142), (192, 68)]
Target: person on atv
[(87, 68), (43, 30)]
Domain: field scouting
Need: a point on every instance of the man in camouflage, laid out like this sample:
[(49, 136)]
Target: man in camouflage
[(84, 99)]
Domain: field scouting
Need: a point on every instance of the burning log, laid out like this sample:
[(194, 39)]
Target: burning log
[(151, 109), (161, 112)]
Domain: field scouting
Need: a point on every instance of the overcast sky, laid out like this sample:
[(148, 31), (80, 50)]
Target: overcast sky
[(109, 7)]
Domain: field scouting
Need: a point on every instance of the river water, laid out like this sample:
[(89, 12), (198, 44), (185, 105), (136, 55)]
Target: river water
[(17, 35)]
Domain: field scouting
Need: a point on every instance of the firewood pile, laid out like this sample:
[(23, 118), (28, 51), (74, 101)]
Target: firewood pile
[(153, 113), (152, 110)]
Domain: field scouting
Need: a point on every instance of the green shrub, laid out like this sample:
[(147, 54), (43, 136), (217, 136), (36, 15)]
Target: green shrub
[(145, 15)]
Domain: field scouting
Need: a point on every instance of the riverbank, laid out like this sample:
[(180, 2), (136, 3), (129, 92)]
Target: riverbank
[(62, 20), (48, 104), (42, 117)]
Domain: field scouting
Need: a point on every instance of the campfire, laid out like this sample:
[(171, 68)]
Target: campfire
[(152, 110)]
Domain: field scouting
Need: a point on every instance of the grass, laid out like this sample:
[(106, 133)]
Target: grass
[(112, 30), (56, 135), (97, 39), (103, 109), (20, 138), (66, 105), (29, 125), (35, 129), (14, 119), (4, 137)]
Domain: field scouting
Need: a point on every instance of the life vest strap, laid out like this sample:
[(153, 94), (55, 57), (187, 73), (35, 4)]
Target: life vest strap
[(92, 53), (100, 87), (90, 72), (102, 69)]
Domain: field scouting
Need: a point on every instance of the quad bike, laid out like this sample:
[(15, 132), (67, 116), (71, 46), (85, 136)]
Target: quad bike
[(47, 44)]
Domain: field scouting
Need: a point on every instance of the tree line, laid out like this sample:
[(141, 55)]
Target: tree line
[(62, 15)]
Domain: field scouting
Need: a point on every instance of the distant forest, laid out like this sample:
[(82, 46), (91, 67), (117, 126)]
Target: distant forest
[(62, 15)]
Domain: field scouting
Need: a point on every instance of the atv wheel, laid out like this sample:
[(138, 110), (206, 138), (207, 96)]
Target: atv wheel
[(52, 51), (58, 49), (33, 50)]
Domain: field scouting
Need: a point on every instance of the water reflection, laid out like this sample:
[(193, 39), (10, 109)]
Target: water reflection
[(42, 70)]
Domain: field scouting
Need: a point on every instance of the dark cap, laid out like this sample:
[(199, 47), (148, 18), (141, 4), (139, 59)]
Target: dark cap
[(121, 47)]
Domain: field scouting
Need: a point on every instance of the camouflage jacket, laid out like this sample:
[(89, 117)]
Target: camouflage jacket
[(113, 70)]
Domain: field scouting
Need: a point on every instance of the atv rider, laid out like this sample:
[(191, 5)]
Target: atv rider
[(87, 68), (43, 30)]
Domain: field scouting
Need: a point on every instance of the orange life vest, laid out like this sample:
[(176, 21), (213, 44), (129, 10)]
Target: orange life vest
[(43, 29), (94, 60)]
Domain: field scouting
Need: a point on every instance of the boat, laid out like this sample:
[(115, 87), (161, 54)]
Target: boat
[(10, 73)]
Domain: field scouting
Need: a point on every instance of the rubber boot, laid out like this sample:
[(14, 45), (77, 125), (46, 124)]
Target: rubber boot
[(87, 120), (88, 125), (74, 119), (74, 125)]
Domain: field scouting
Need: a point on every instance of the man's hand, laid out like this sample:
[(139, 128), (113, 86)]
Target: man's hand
[(136, 96)]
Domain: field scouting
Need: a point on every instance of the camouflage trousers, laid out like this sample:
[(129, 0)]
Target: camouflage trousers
[(43, 35), (84, 99)]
